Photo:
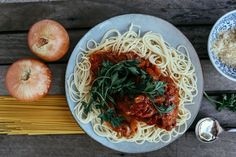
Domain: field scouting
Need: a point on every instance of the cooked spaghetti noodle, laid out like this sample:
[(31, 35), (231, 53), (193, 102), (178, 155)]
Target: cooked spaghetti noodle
[(151, 46)]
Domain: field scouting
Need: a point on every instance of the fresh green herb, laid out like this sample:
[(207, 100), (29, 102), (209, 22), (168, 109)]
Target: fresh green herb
[(111, 116), (154, 89), (164, 109), (121, 79), (226, 101)]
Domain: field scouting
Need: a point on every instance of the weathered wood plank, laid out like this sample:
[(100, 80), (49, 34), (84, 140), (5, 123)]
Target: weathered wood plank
[(80, 13), (188, 146), (26, 1), (198, 36), (14, 46), (82, 145), (225, 117), (213, 81), (64, 146)]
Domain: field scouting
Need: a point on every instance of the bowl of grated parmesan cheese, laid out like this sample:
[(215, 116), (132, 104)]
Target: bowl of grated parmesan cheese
[(222, 45)]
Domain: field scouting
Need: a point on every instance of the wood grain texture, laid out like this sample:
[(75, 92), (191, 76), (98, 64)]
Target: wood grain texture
[(26, 1), (225, 117), (82, 145), (80, 13), (213, 81), (14, 46), (198, 36)]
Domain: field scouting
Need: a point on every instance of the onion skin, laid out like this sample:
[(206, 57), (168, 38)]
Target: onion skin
[(28, 79), (48, 40)]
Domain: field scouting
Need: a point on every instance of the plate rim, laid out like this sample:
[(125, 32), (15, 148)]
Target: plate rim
[(200, 92)]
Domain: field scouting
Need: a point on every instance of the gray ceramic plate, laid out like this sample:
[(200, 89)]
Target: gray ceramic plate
[(148, 23)]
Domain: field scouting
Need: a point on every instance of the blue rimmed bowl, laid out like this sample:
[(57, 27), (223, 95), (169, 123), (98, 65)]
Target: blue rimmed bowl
[(226, 22)]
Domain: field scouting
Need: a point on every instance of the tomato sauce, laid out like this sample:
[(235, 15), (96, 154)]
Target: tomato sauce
[(141, 107)]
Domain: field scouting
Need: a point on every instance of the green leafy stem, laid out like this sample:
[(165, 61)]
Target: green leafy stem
[(226, 101)]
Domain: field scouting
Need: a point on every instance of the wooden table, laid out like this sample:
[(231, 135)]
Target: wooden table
[(193, 18)]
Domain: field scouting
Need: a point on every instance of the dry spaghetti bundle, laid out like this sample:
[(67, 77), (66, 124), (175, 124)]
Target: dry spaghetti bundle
[(50, 115)]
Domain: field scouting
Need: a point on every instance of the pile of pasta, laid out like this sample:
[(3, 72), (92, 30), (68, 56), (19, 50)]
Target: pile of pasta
[(173, 62)]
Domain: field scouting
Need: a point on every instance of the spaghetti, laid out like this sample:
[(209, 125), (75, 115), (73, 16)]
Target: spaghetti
[(152, 47), (49, 115)]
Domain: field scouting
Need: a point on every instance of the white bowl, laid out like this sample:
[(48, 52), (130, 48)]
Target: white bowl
[(226, 22)]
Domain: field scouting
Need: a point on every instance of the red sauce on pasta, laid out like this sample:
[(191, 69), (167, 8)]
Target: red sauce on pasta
[(140, 108)]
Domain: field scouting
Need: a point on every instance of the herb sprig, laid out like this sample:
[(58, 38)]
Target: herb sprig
[(164, 109), (111, 116), (226, 101), (121, 79)]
